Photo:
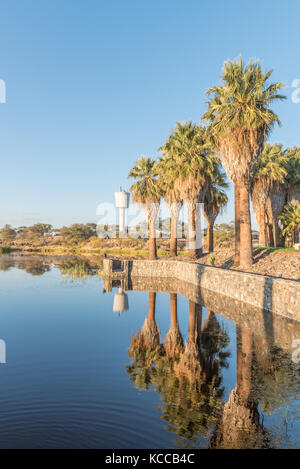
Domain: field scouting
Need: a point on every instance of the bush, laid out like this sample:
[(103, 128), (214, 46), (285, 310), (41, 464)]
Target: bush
[(7, 234), (76, 233), (5, 249)]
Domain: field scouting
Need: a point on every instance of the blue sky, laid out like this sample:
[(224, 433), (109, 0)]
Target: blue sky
[(93, 84)]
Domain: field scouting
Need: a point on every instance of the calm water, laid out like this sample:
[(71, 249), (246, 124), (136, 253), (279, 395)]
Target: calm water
[(164, 373)]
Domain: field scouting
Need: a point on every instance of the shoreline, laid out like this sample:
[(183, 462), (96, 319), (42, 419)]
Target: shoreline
[(275, 263)]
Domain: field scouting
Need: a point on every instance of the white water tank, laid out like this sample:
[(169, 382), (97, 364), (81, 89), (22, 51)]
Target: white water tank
[(122, 199), (122, 203)]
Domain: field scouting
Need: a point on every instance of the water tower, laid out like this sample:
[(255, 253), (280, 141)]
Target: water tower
[(122, 203)]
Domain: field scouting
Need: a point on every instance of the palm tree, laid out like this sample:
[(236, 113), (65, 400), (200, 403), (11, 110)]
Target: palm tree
[(283, 192), (147, 192), (167, 172), (214, 200), (290, 220), (240, 119), (191, 162), (268, 173), (293, 175)]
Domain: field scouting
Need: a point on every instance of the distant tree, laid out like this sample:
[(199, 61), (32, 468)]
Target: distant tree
[(38, 230), (7, 234), (76, 233), (93, 227)]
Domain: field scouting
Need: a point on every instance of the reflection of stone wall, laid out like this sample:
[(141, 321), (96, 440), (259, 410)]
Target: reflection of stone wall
[(275, 328), (274, 295)]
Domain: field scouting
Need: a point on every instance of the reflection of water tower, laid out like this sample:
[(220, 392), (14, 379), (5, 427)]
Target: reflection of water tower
[(120, 302), (122, 203)]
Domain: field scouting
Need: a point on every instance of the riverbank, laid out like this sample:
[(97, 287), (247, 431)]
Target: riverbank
[(279, 263)]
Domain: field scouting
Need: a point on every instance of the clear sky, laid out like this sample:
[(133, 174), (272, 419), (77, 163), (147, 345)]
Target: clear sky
[(93, 84)]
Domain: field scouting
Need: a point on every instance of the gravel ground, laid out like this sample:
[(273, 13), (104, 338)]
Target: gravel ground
[(284, 264)]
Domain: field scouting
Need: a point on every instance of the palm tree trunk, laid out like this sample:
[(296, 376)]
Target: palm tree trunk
[(152, 241), (237, 223), (173, 241), (194, 251), (293, 237), (276, 233), (210, 236), (245, 227), (270, 235), (151, 311), (173, 307), (296, 235), (262, 226)]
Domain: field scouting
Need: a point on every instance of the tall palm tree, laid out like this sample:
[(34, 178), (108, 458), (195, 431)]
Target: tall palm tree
[(167, 172), (214, 200), (147, 192), (192, 161), (240, 119), (268, 173)]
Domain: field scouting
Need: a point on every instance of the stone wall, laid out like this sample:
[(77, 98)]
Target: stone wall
[(275, 295)]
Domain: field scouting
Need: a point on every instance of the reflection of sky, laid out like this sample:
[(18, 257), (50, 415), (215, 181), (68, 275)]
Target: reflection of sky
[(65, 382)]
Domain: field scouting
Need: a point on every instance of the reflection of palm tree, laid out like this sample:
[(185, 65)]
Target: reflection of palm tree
[(150, 330), (173, 343), (191, 401), (240, 426), (213, 340), (189, 363), (145, 349)]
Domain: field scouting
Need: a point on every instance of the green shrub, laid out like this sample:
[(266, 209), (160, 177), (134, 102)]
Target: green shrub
[(5, 249), (212, 260)]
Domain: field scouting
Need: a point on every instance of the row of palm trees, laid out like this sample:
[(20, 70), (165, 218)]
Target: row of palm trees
[(232, 136), (188, 170)]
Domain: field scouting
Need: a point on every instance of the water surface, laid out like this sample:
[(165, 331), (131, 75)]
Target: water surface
[(161, 371)]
